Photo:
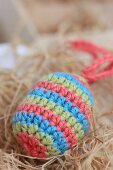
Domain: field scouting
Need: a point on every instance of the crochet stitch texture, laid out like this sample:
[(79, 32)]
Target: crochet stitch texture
[(54, 115)]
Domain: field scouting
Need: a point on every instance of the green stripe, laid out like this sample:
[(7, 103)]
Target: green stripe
[(58, 110), (71, 86), (82, 79), (33, 131)]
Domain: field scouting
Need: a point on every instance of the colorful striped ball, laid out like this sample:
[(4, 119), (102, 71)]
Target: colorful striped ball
[(54, 115)]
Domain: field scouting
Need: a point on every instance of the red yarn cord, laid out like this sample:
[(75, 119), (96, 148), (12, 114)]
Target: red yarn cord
[(92, 73)]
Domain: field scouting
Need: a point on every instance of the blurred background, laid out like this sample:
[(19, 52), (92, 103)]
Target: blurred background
[(27, 22), (24, 20), (32, 43)]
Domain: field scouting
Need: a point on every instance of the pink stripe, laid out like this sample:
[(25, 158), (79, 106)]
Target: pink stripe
[(32, 145), (54, 120), (62, 91)]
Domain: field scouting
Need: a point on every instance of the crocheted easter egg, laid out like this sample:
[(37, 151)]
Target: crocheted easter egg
[(54, 115)]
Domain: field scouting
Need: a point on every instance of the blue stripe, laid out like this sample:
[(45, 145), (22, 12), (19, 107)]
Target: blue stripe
[(60, 101), (77, 83), (30, 119)]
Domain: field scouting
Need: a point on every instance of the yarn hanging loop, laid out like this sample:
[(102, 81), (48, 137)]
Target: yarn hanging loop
[(93, 73)]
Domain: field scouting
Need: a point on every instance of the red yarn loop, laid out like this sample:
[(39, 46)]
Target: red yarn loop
[(93, 72)]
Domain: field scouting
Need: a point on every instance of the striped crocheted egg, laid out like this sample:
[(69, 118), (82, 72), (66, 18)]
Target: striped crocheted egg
[(54, 115)]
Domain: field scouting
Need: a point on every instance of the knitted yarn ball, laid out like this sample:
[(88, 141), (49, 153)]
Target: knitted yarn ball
[(54, 115)]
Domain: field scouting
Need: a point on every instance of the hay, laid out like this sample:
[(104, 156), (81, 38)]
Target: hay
[(93, 152)]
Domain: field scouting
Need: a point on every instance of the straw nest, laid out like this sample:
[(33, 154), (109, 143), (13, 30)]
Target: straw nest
[(93, 152)]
